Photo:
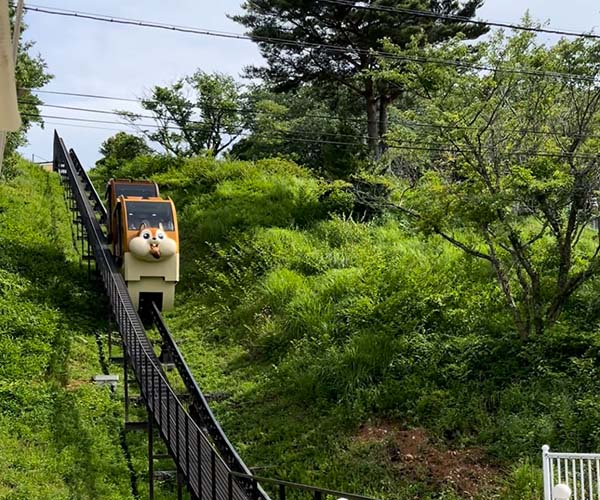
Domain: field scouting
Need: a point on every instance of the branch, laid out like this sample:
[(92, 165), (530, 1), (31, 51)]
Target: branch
[(463, 246), (505, 285), (537, 236)]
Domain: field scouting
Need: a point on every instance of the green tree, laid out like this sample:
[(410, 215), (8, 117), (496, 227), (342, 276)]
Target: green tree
[(510, 163), (122, 147), (199, 113), (116, 151), (31, 73), (317, 130), (314, 27)]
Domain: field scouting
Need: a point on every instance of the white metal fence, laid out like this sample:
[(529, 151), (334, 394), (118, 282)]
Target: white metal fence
[(577, 472)]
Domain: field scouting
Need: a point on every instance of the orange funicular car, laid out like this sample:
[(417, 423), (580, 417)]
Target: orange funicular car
[(142, 228)]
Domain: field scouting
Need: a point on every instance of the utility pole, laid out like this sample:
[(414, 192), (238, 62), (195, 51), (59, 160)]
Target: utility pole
[(15, 52)]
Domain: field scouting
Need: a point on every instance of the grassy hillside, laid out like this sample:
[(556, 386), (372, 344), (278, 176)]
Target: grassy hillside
[(359, 356), (59, 433)]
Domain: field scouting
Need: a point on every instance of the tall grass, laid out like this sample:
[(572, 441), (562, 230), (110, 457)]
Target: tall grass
[(58, 431), (320, 314)]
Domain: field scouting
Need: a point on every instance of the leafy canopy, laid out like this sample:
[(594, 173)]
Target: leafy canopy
[(300, 125), (116, 151), (507, 168), (202, 112), (334, 44)]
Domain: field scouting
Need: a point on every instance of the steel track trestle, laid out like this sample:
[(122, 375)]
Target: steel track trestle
[(199, 465), (207, 464)]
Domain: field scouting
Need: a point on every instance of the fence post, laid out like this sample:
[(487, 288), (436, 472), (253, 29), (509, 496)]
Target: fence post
[(547, 478)]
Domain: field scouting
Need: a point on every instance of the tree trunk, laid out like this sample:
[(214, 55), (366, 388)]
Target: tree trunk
[(383, 126), (372, 117), (372, 126)]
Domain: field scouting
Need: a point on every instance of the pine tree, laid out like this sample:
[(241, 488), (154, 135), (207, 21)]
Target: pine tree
[(314, 27)]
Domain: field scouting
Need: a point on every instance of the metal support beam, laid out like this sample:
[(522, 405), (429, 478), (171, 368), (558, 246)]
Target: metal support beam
[(89, 254), (109, 335), (150, 457), (126, 384), (179, 487), (80, 225), (136, 426)]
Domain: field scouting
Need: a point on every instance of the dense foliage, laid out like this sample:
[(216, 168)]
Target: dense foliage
[(202, 113), (121, 147), (310, 325), (511, 161), (316, 128), (333, 43)]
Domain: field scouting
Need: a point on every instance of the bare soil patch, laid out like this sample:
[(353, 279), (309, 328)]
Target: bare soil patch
[(415, 457)]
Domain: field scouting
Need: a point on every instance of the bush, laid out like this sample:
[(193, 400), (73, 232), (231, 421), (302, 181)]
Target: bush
[(321, 311)]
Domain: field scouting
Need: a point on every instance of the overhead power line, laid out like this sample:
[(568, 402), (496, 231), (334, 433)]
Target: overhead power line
[(193, 122), (91, 110), (294, 137), (170, 127), (175, 127), (73, 94), (76, 108), (114, 98), (381, 8), (90, 120), (308, 45), (406, 123), (62, 124), (462, 19)]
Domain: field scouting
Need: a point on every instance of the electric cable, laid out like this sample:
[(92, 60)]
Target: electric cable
[(406, 123), (462, 19), (301, 138), (309, 45)]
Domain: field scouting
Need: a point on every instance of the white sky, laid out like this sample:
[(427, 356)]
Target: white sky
[(92, 57)]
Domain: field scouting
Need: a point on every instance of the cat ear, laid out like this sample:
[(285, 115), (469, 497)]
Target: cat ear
[(160, 226), (142, 226)]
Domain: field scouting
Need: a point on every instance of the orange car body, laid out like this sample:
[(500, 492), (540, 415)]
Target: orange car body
[(137, 212), (126, 188)]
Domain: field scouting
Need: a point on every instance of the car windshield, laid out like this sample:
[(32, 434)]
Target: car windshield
[(150, 213), (143, 190)]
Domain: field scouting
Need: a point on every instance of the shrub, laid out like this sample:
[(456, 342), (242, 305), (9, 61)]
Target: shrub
[(365, 319)]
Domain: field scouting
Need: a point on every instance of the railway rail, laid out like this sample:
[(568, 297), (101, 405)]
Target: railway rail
[(207, 464)]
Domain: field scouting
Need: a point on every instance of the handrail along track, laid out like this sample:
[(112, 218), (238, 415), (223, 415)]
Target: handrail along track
[(200, 410), (205, 459), (198, 461)]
